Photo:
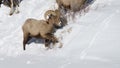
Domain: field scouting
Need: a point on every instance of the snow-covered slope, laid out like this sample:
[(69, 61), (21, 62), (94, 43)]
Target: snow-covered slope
[(91, 40)]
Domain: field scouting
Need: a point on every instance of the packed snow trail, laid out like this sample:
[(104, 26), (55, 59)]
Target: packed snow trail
[(91, 40)]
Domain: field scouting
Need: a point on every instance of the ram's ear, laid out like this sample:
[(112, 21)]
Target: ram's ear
[(47, 17)]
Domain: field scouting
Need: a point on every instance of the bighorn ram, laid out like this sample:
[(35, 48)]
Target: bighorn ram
[(40, 29), (13, 4), (72, 5), (58, 16)]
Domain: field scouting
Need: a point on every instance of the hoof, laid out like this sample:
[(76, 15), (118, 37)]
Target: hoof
[(11, 14), (17, 12)]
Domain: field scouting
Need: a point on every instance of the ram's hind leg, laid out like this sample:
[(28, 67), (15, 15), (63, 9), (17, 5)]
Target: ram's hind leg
[(25, 40)]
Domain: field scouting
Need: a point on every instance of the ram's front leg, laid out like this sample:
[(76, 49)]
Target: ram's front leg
[(12, 10), (50, 38), (47, 42)]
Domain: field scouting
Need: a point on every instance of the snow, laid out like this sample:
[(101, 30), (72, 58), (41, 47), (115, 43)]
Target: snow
[(91, 40)]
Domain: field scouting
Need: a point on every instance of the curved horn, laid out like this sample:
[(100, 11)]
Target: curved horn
[(48, 13)]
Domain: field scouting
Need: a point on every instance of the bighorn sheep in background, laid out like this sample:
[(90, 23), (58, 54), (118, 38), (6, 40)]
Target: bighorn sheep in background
[(13, 4), (72, 5), (40, 29), (0, 2), (58, 16)]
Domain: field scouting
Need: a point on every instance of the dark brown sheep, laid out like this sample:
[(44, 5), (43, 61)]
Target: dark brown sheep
[(13, 4)]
